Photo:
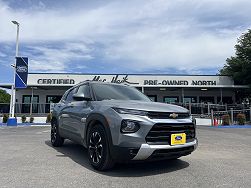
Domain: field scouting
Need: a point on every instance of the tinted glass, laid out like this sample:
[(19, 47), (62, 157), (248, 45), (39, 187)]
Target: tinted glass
[(153, 97), (117, 92), (171, 99), (53, 98), (69, 96), (64, 97), (26, 106), (84, 89), (190, 99), (27, 99)]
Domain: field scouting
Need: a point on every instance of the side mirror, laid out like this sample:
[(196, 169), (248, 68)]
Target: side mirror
[(80, 97)]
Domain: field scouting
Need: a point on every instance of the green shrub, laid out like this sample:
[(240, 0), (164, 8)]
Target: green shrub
[(226, 119), (5, 118), (23, 118), (49, 117), (31, 119), (241, 119)]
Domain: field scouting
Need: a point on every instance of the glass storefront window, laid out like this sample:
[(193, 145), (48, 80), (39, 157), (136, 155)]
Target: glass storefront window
[(207, 100), (190, 99), (27, 104), (171, 99), (153, 97), (51, 99), (225, 100)]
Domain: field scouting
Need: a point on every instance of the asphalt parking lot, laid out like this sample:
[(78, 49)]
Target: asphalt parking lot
[(223, 159)]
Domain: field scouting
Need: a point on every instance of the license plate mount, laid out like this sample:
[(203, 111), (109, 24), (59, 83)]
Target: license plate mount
[(178, 139)]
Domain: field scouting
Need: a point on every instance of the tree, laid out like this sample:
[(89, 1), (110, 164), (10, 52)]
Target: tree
[(4, 96), (239, 66)]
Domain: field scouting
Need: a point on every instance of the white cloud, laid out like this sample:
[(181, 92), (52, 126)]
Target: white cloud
[(2, 54), (57, 58), (144, 35), (173, 50)]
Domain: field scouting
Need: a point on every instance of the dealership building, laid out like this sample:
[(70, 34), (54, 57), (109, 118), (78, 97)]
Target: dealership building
[(46, 88)]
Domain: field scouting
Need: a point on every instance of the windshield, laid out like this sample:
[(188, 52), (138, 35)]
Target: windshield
[(117, 92)]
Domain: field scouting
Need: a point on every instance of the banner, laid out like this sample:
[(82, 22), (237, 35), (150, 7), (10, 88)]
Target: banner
[(21, 72)]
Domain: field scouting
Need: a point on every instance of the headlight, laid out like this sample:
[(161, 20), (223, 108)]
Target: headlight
[(129, 126), (130, 111)]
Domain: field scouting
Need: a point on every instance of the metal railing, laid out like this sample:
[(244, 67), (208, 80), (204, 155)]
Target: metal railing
[(217, 116), (25, 108), (202, 108), (196, 109)]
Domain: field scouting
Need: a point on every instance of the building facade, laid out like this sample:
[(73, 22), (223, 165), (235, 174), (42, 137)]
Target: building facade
[(46, 88)]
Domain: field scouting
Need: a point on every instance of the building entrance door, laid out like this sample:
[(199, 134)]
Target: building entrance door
[(27, 104)]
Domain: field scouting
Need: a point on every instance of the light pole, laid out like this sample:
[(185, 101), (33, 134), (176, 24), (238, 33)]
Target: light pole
[(32, 94), (12, 119)]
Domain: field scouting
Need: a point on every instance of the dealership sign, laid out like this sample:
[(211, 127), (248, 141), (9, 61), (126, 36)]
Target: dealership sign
[(134, 80), (56, 81), (179, 82), (125, 80), (21, 72), (116, 79)]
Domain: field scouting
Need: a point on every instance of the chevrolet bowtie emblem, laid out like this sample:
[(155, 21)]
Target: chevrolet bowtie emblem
[(173, 115)]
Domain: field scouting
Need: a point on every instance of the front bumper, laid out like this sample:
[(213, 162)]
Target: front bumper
[(147, 150), (134, 146)]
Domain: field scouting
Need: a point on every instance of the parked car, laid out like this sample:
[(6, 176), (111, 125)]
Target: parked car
[(118, 123)]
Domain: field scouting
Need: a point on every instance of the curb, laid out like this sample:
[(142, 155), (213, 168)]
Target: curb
[(26, 124), (232, 126)]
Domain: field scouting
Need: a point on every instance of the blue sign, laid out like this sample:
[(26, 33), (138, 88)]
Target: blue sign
[(21, 72)]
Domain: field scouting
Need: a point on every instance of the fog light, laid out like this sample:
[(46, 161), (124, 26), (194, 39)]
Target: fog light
[(129, 126)]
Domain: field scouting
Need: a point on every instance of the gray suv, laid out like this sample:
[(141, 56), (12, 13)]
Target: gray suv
[(118, 123)]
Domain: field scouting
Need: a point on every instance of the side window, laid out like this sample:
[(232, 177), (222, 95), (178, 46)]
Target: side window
[(85, 90), (64, 97), (70, 94)]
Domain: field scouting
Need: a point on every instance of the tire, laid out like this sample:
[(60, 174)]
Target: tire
[(56, 139), (98, 148)]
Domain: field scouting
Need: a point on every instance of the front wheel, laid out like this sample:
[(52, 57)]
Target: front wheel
[(56, 139), (98, 149)]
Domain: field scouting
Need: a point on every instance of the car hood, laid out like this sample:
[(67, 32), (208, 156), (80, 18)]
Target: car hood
[(141, 105)]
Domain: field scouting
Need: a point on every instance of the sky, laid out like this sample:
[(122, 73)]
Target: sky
[(116, 36)]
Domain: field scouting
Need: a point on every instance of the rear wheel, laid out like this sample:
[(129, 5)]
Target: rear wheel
[(98, 149), (56, 139)]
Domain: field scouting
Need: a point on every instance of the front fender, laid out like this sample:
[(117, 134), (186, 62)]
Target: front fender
[(93, 119)]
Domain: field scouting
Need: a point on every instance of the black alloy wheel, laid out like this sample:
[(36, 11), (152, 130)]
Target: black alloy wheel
[(56, 139), (95, 147), (98, 148)]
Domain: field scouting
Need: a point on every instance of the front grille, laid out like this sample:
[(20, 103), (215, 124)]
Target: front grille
[(173, 151), (161, 132), (166, 115)]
